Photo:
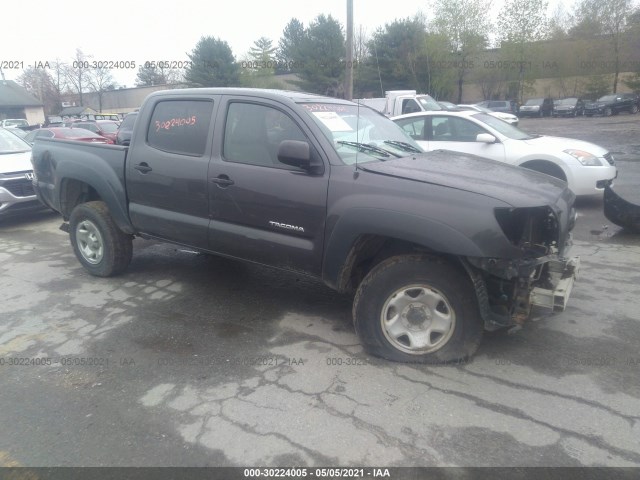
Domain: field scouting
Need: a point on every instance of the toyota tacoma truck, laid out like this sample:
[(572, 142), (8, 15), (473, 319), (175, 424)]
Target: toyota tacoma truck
[(436, 247)]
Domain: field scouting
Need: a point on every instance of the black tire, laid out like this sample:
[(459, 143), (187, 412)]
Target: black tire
[(547, 168), (414, 279), (100, 246)]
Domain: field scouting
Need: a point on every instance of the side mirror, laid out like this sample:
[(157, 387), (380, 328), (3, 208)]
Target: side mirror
[(294, 153), (485, 138)]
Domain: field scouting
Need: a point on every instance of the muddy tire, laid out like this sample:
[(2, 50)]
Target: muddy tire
[(419, 309), (608, 112), (633, 110), (100, 246)]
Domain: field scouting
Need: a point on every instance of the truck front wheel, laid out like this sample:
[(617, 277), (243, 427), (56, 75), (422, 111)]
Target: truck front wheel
[(100, 246), (415, 308)]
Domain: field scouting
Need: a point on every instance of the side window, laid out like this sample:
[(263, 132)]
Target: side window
[(441, 129), (409, 105), (464, 130), (253, 134), (180, 126), (87, 126), (415, 128)]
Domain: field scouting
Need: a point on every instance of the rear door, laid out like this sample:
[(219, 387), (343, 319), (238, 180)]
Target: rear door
[(167, 167), (263, 210)]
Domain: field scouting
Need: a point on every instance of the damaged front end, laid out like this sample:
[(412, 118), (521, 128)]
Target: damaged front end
[(541, 274)]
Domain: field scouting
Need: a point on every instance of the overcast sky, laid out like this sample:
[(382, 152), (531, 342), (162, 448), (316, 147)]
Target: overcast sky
[(144, 30)]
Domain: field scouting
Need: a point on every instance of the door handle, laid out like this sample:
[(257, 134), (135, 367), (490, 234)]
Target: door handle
[(142, 167), (222, 181)]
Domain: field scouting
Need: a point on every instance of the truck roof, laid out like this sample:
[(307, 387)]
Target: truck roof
[(258, 92)]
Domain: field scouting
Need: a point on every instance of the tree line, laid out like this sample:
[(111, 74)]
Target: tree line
[(456, 44)]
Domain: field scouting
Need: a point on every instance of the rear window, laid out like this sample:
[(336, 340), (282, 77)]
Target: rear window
[(180, 126), (109, 127), (129, 120)]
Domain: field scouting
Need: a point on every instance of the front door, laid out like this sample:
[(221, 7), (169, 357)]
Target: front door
[(459, 134), (261, 209)]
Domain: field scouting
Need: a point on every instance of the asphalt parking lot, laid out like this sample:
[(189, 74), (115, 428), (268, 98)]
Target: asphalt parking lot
[(191, 360)]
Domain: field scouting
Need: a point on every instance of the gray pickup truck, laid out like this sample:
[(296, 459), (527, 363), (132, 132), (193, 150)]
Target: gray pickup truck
[(436, 247)]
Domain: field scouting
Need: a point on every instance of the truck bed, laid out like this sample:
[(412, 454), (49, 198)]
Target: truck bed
[(85, 160)]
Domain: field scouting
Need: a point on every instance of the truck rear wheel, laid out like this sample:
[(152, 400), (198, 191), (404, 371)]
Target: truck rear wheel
[(100, 246), (414, 308)]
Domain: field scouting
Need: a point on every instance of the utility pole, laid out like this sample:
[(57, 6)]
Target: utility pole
[(348, 78)]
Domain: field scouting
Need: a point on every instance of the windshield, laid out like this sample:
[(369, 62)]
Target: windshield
[(15, 122), (359, 133), (109, 127), (607, 98), (10, 143), (428, 103), (502, 127), (567, 101), (128, 121), (534, 101)]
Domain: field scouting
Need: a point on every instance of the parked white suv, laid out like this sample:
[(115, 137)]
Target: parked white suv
[(16, 175)]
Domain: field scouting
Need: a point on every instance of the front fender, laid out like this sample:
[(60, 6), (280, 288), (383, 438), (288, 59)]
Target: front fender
[(428, 233)]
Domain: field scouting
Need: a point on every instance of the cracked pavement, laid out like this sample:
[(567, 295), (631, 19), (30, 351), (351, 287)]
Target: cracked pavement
[(202, 361), (192, 360)]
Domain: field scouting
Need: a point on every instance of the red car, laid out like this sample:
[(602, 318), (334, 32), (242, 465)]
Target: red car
[(78, 134), (105, 128)]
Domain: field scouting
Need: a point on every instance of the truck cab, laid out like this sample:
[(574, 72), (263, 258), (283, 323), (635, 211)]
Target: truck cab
[(399, 102)]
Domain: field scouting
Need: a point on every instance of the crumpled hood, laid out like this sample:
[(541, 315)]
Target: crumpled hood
[(516, 186), (561, 144), (15, 162)]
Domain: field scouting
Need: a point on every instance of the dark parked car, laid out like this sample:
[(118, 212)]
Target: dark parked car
[(536, 107), (568, 107), (65, 133), (613, 104), (506, 106), (123, 135)]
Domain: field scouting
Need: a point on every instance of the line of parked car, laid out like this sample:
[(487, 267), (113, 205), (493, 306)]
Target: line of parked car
[(607, 105), (93, 131)]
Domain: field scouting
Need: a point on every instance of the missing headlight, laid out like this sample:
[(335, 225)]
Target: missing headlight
[(534, 230)]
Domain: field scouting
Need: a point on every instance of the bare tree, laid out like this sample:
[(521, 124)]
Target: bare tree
[(76, 73), (39, 83), (100, 80)]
